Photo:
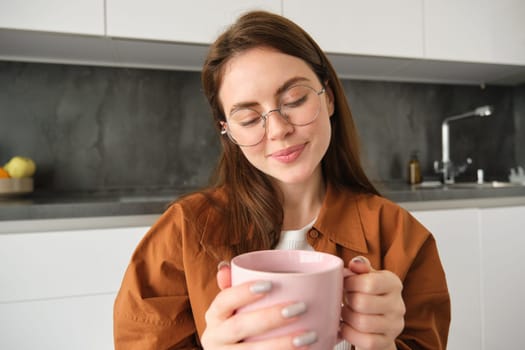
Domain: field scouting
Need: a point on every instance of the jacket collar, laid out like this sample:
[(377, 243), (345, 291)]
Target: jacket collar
[(340, 220)]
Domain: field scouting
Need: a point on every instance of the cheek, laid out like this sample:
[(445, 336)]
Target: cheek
[(324, 135), (324, 129), (253, 154)]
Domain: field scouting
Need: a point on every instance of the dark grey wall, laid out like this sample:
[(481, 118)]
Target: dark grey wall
[(94, 128), (519, 118), (396, 119)]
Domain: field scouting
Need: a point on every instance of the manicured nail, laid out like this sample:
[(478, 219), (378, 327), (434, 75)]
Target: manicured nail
[(223, 264), (293, 310), (345, 300), (358, 259), (261, 287), (305, 339)]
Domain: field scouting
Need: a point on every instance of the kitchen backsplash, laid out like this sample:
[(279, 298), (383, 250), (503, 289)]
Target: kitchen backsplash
[(519, 119), (97, 128)]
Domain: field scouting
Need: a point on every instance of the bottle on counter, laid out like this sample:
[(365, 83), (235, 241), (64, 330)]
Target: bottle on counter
[(414, 170)]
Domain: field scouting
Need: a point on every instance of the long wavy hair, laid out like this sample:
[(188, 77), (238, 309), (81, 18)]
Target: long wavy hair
[(254, 204)]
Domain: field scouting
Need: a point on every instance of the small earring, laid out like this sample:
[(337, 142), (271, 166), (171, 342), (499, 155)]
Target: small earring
[(223, 127)]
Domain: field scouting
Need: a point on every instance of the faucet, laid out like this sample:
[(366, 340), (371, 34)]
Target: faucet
[(447, 168)]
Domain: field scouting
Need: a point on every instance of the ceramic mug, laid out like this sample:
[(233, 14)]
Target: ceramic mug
[(297, 276)]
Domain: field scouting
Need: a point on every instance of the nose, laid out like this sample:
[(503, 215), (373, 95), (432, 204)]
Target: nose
[(277, 127)]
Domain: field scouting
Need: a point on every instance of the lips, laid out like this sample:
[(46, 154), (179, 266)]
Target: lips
[(289, 154)]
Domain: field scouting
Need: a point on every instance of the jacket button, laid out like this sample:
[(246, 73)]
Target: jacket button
[(313, 233)]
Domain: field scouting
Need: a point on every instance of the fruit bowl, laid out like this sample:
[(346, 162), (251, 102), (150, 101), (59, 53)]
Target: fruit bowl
[(15, 187)]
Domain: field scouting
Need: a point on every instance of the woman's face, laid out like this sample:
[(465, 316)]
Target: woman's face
[(255, 79)]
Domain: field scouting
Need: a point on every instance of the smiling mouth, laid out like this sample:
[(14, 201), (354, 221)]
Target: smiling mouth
[(289, 154)]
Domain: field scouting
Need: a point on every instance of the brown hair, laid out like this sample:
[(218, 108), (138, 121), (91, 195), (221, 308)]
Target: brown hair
[(254, 205)]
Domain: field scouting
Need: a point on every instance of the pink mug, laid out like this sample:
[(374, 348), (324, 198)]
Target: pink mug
[(297, 276)]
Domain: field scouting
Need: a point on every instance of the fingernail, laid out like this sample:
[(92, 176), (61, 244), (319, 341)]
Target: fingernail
[(358, 259), (223, 264), (293, 310), (345, 300), (305, 339), (261, 287)]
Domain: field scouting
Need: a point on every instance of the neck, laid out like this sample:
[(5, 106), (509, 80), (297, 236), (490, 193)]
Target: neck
[(302, 202)]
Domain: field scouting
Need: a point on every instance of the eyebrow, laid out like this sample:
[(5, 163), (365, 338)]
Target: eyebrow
[(287, 84)]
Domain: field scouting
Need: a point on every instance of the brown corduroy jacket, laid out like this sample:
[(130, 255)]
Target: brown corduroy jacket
[(171, 279)]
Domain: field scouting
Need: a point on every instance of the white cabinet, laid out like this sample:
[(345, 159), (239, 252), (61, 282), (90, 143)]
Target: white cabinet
[(197, 21), (438, 41), (503, 281), (58, 288), (457, 236), (481, 251), (62, 323), (475, 30), (372, 27), (76, 17)]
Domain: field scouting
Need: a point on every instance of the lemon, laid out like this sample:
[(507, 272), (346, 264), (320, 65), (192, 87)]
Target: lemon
[(19, 167)]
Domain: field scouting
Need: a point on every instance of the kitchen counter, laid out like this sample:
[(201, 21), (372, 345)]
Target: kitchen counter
[(87, 204), (109, 204), (449, 197)]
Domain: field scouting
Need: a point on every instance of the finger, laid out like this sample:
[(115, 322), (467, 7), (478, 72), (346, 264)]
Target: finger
[(375, 282), (254, 323), (224, 278), (220, 339), (362, 340), (366, 323), (347, 272), (230, 299), (367, 303), (296, 341), (359, 265), (389, 305)]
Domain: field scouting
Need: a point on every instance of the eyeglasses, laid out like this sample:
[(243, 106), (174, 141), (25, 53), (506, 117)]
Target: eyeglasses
[(299, 105)]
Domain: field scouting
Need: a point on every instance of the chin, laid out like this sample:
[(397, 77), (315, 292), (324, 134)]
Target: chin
[(293, 179)]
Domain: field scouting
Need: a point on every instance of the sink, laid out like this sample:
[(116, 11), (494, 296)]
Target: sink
[(493, 184), (470, 185)]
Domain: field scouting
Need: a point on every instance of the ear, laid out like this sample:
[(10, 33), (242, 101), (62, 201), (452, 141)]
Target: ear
[(223, 127), (330, 101)]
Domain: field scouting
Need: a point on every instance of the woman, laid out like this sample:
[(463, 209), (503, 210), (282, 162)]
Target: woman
[(289, 177)]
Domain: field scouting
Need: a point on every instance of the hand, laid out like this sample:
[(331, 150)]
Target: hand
[(373, 314), (226, 329)]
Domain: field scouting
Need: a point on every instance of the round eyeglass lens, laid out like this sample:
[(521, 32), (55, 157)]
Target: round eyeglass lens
[(298, 105)]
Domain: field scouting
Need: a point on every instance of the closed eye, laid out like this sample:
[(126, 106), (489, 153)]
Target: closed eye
[(295, 103), (250, 122), (246, 117)]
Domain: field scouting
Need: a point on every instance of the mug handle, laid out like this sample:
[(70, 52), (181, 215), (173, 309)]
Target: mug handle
[(346, 273)]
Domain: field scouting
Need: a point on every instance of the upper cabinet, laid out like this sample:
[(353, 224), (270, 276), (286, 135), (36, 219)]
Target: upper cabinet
[(438, 41), (61, 16), (484, 31), (372, 27), (197, 21)]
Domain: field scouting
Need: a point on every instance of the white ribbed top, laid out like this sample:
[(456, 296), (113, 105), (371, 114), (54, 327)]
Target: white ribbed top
[(296, 239)]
